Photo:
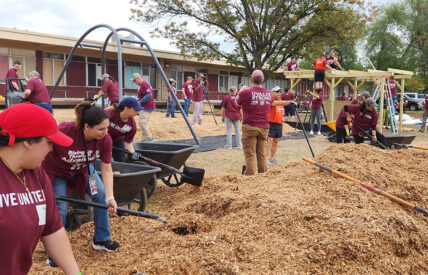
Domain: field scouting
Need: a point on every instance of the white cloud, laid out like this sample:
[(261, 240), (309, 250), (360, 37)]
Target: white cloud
[(74, 18)]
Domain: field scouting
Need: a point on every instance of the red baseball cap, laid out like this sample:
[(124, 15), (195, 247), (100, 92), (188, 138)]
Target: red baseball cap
[(28, 120)]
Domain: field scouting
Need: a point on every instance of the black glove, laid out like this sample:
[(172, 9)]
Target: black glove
[(136, 156), (222, 119)]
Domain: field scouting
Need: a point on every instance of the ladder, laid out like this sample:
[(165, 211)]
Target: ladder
[(390, 108)]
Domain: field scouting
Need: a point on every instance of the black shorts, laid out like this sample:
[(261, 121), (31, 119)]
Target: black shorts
[(275, 130), (319, 76)]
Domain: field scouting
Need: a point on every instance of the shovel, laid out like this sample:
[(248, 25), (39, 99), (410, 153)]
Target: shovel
[(304, 132), (370, 136), (191, 175), (406, 146), (119, 210)]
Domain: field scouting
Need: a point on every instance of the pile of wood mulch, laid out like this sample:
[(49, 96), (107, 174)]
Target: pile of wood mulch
[(292, 220)]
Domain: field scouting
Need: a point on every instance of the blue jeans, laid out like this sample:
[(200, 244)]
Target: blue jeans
[(171, 107), (102, 228), (46, 106), (186, 105)]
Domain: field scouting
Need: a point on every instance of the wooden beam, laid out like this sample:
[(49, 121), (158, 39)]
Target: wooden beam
[(331, 96), (397, 71), (350, 85), (328, 83), (355, 71), (401, 104), (361, 84), (402, 76), (338, 82), (295, 84), (377, 83)]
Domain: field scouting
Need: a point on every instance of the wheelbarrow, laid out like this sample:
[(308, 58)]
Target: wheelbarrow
[(171, 154), (129, 181)]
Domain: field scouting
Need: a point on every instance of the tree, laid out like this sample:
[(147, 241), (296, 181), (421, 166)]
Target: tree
[(398, 38), (261, 33)]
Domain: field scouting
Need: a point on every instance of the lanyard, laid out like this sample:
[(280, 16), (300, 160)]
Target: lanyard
[(86, 152)]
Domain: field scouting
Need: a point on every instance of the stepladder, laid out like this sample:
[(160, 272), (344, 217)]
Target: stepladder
[(390, 108)]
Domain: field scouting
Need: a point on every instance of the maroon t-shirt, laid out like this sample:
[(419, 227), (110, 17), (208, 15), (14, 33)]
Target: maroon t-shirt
[(392, 87), (24, 217), (426, 103), (292, 66), (198, 89), (342, 97), (12, 74), (70, 162), (39, 92), (145, 89), (111, 89), (231, 110), (365, 120), (316, 103), (350, 97), (288, 96), (330, 60), (256, 103), (341, 120), (118, 128), (188, 89)]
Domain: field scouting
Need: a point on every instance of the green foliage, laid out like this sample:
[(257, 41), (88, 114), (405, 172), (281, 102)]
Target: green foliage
[(415, 84), (258, 34), (398, 39)]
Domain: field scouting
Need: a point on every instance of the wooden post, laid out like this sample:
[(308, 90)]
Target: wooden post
[(381, 101), (356, 88), (291, 83), (331, 96), (401, 104)]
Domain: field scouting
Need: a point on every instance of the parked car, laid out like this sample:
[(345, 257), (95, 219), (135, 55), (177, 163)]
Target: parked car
[(415, 101)]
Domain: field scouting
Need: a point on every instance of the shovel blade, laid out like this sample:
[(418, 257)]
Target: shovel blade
[(193, 176)]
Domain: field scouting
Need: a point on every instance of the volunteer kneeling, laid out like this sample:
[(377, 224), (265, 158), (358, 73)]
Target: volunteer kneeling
[(70, 168), (28, 211)]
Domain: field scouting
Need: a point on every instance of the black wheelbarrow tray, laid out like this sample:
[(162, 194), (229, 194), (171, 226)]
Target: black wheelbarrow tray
[(172, 154), (129, 183)]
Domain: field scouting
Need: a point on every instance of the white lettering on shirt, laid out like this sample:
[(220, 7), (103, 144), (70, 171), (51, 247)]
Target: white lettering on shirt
[(17, 199), (77, 159), (125, 129)]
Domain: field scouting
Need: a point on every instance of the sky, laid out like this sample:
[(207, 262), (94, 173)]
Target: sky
[(73, 17)]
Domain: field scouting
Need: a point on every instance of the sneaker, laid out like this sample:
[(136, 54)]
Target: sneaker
[(422, 131), (240, 147), (269, 162), (51, 262), (108, 245), (311, 132), (319, 133), (149, 139), (274, 161), (227, 147)]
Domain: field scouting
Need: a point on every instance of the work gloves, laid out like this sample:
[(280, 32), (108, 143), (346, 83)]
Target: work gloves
[(136, 156), (293, 102), (222, 119)]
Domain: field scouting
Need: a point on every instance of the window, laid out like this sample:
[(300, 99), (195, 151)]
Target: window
[(146, 70), (233, 79), (223, 81), (93, 66), (245, 80), (53, 64), (277, 81), (177, 74)]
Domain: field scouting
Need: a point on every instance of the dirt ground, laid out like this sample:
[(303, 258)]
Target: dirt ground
[(295, 219)]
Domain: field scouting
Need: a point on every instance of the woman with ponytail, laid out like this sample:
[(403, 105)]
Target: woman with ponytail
[(71, 170)]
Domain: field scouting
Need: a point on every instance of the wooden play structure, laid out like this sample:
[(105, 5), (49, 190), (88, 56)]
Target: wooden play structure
[(355, 80)]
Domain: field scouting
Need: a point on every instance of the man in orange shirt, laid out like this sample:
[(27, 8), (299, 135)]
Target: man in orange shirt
[(320, 65), (275, 126)]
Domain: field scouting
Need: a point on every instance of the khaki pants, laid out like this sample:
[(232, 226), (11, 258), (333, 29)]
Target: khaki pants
[(254, 141), (143, 121)]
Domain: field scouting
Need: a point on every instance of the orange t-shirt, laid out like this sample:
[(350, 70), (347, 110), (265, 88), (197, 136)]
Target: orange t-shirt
[(276, 113), (320, 64)]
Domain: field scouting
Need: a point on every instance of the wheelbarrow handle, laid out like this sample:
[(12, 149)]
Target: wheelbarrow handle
[(119, 210), (151, 161)]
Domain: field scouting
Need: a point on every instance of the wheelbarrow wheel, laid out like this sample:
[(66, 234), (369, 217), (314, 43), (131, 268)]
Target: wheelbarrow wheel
[(151, 186), (143, 200), (331, 136), (172, 180)]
